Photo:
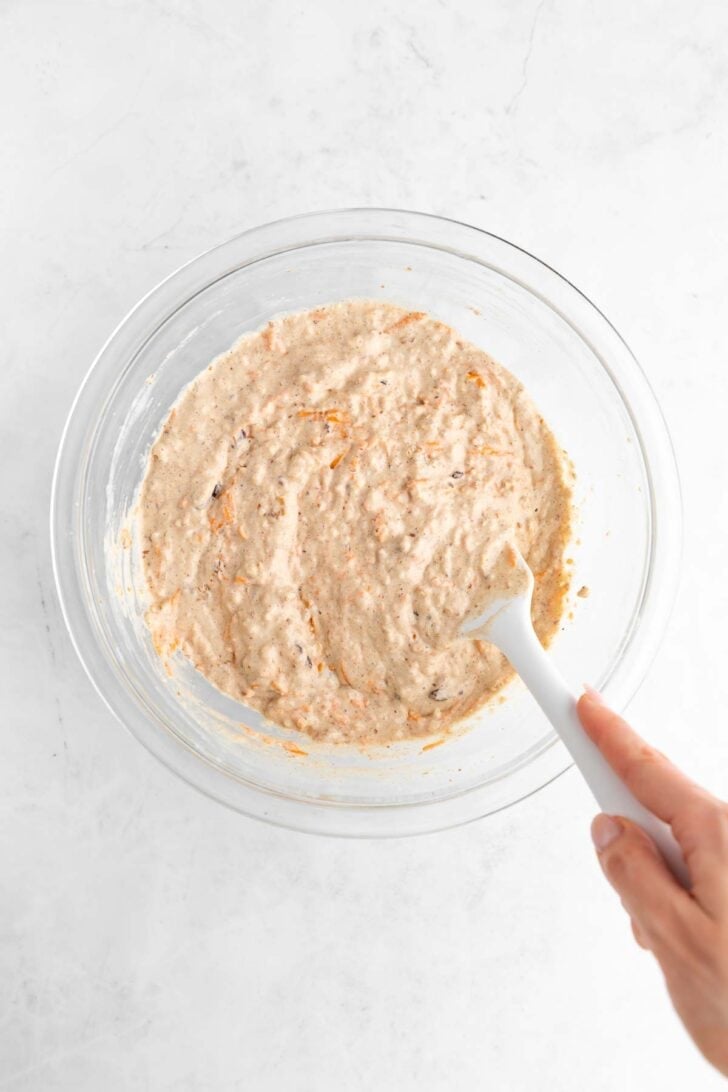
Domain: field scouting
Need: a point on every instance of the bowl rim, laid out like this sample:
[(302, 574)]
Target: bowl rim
[(649, 620)]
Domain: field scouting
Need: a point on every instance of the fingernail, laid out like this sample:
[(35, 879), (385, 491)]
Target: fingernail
[(593, 694), (604, 830)]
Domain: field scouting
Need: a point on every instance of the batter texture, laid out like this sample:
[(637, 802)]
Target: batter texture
[(325, 505)]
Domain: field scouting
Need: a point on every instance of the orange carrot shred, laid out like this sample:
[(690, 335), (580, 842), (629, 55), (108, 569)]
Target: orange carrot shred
[(413, 316)]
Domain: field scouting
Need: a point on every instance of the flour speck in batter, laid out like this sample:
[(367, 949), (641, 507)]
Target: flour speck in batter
[(329, 500)]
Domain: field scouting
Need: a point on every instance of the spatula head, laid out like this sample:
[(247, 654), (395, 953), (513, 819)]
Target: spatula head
[(512, 587)]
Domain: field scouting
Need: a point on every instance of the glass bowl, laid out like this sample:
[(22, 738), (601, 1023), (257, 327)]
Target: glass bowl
[(584, 380)]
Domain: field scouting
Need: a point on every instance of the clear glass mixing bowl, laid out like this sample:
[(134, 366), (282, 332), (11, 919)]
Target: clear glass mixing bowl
[(579, 372)]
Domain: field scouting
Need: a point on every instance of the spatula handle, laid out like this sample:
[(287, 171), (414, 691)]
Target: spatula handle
[(557, 701)]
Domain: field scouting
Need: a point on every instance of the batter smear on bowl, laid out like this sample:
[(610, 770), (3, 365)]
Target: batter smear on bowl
[(329, 500)]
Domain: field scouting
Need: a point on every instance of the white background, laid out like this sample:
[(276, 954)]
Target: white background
[(149, 939)]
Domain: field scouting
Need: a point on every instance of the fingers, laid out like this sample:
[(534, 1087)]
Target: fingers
[(638, 934), (660, 908), (652, 778), (686, 931), (699, 821), (702, 831)]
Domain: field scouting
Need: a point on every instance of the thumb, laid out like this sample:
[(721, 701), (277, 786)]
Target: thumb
[(649, 892)]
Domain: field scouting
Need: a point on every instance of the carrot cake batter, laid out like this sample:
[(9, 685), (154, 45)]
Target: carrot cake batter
[(329, 500)]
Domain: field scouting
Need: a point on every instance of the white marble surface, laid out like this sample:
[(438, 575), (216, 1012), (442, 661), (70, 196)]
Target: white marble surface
[(149, 939)]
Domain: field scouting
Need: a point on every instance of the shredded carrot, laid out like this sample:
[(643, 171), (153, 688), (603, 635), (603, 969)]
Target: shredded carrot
[(475, 377), (411, 715), (334, 414), (335, 461), (239, 580), (487, 450), (223, 513), (431, 746), (290, 746), (413, 316)]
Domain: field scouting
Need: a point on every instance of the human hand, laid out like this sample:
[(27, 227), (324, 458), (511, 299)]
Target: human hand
[(687, 931)]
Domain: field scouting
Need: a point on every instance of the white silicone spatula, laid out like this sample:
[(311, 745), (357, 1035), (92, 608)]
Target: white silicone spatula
[(507, 624)]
